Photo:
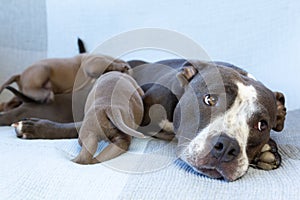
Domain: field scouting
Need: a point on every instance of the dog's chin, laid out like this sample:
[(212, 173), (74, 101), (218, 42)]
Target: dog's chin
[(214, 173)]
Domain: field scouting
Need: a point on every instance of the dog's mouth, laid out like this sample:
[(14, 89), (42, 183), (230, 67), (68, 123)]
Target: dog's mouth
[(215, 173), (211, 172), (226, 171)]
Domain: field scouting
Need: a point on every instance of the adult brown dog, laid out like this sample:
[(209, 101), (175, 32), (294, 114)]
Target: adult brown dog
[(113, 112)]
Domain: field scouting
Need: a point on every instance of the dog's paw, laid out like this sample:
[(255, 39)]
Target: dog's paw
[(76, 160), (81, 161), (269, 158), (27, 128)]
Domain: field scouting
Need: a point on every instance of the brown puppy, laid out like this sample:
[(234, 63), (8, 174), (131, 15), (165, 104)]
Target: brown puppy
[(113, 110), (45, 78)]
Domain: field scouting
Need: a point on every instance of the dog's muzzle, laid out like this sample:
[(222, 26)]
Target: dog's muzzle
[(221, 157)]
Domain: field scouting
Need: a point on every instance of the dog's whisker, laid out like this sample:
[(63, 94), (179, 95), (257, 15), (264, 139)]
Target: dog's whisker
[(183, 145), (181, 136)]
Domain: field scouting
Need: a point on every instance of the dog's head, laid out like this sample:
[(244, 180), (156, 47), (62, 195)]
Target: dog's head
[(95, 65), (224, 118)]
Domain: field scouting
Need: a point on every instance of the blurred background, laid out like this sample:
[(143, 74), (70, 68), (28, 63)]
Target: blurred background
[(262, 37)]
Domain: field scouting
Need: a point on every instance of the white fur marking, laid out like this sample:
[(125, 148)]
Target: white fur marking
[(233, 123), (18, 126), (167, 126)]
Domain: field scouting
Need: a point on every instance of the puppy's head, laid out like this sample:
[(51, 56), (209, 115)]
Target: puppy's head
[(94, 65), (224, 118)]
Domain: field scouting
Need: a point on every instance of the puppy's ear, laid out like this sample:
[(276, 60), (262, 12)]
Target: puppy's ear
[(186, 73), (281, 112)]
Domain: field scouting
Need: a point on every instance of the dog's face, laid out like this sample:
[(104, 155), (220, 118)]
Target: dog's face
[(226, 118)]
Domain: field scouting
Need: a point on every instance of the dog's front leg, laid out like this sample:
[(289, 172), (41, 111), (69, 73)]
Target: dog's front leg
[(34, 128)]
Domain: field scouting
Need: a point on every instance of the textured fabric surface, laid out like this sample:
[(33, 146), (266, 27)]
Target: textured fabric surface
[(23, 36), (41, 169), (23, 24)]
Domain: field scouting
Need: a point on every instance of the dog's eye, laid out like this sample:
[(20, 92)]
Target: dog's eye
[(262, 125), (210, 100)]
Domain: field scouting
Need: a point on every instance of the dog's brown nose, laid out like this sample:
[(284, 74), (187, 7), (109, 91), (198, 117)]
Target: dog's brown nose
[(225, 148)]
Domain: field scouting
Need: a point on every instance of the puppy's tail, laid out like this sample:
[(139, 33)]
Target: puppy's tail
[(117, 120), (20, 95), (11, 80), (81, 46)]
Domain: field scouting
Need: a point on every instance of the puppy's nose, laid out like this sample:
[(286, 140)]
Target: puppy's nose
[(225, 148)]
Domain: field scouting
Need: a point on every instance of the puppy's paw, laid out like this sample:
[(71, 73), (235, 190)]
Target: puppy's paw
[(269, 158), (119, 66), (81, 161), (76, 160)]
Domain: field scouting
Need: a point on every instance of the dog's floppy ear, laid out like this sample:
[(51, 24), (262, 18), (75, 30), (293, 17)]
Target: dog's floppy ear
[(281, 112), (187, 72)]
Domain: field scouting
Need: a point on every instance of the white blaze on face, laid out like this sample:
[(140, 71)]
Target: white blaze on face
[(236, 118), (232, 123)]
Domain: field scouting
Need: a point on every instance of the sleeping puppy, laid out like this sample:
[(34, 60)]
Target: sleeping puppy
[(113, 112), (45, 78)]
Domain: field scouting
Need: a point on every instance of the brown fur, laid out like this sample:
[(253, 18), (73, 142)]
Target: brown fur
[(113, 111), (281, 111), (45, 78)]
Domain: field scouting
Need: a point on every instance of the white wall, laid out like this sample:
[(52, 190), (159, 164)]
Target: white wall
[(261, 36)]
